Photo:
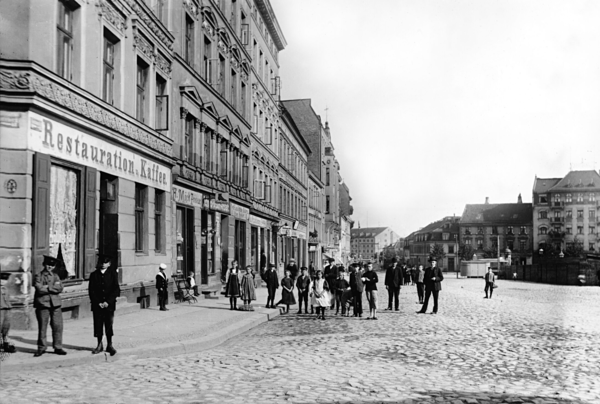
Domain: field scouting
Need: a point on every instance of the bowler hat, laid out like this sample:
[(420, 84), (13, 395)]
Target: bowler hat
[(49, 260)]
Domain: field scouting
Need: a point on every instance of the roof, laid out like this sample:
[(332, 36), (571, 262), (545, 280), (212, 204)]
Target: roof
[(368, 231), (588, 180), (507, 213), (542, 185)]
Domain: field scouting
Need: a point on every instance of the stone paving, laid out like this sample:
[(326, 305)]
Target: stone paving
[(531, 343)]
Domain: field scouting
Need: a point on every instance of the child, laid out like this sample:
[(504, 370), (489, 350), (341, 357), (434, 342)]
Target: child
[(320, 295), (232, 288), (248, 286), (192, 283), (341, 285), (287, 296)]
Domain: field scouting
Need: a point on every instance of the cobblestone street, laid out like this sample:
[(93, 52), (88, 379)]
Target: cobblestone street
[(531, 343)]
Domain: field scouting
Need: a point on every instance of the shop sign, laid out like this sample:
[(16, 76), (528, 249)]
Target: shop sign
[(264, 209), (58, 140), (302, 235), (219, 206), (258, 221), (240, 212), (187, 196)]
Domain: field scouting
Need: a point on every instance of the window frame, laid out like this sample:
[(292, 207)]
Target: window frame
[(141, 218), (64, 35)]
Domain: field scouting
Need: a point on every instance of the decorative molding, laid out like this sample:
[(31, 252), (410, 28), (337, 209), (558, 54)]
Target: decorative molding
[(183, 111), (32, 81), (150, 23), (163, 64), (191, 8), (108, 11), (144, 46)]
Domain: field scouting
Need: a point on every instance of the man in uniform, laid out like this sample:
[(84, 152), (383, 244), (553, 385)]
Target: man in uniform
[(162, 285), (48, 306)]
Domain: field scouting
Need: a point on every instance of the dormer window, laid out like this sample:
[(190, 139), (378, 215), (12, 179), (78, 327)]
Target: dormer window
[(543, 198)]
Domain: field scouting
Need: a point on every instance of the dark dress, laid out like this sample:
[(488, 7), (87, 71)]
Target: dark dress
[(232, 289), (287, 297)]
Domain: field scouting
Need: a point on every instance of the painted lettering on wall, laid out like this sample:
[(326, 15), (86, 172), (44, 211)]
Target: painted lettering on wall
[(59, 140)]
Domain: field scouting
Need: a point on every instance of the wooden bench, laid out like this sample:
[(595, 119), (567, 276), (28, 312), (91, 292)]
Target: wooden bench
[(210, 293)]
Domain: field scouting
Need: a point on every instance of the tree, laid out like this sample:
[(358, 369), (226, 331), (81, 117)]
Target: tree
[(490, 253), (437, 252), (574, 249), (465, 252)]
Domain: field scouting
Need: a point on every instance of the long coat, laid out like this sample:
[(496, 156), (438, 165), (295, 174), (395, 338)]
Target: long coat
[(104, 290), (47, 289), (161, 282), (393, 277), (356, 283), (271, 279), (433, 273)]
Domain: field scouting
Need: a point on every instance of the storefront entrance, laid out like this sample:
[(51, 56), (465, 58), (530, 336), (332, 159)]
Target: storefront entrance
[(185, 240), (109, 220)]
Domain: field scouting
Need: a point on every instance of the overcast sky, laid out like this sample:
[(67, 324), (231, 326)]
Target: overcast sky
[(436, 104)]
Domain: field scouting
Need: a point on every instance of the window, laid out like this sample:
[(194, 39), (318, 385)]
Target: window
[(233, 90), (592, 197), (223, 160), (161, 11), (467, 230), (206, 65), (188, 50), (592, 214), (468, 241), (592, 230), (159, 221), (161, 114), (544, 230), (568, 198), (523, 230), (142, 78), (509, 230), (108, 70), (579, 213), (480, 230), (522, 246), (543, 198), (140, 217), (543, 214), (327, 204), (579, 229), (569, 214), (450, 249), (188, 141), (569, 230), (327, 182), (243, 100), (221, 77), (591, 247), (64, 40), (579, 197)]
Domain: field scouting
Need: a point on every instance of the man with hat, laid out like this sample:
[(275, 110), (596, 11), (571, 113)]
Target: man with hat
[(330, 273), (162, 284), (104, 290), (272, 281), (433, 284), (47, 303), (293, 268), (393, 282)]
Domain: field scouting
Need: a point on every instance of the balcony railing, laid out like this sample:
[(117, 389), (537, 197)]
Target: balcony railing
[(558, 219), (557, 204)]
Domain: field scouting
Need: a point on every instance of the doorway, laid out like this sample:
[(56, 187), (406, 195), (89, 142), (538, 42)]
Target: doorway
[(185, 240), (109, 220)]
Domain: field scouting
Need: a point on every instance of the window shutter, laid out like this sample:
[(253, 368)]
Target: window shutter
[(41, 201), (90, 223)]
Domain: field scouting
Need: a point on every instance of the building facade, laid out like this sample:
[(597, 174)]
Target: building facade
[(316, 219), (88, 167), (506, 228), (566, 212), (369, 242), (445, 233)]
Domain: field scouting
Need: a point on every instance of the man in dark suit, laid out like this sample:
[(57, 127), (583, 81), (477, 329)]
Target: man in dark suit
[(357, 286), (162, 285), (272, 281), (293, 268), (48, 306), (104, 290), (303, 283), (393, 282), (330, 273), (433, 284)]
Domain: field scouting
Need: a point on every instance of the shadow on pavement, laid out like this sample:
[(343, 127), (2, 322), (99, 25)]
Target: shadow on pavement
[(34, 343)]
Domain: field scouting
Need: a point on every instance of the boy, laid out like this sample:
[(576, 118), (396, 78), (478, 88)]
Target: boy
[(341, 285)]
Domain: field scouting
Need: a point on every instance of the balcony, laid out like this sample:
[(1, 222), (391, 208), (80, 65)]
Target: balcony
[(557, 205), (558, 219)]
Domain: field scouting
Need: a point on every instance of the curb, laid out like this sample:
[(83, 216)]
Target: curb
[(212, 340)]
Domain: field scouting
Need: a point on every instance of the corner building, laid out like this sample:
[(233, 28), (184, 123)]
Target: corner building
[(85, 147)]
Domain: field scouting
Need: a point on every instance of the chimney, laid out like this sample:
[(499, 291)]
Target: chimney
[(519, 200), (487, 200)]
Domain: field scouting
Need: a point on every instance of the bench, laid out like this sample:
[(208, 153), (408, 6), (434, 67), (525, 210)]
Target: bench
[(210, 293)]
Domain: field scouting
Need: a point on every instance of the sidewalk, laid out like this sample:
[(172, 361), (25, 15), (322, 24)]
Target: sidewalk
[(144, 333)]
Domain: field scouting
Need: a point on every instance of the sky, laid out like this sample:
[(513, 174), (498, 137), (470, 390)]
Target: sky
[(433, 105)]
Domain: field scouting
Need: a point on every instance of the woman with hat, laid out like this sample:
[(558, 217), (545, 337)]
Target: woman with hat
[(48, 306)]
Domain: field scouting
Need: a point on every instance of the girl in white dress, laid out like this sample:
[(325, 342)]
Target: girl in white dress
[(320, 297)]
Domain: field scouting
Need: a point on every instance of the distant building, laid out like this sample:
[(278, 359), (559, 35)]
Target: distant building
[(565, 211), (368, 242), (485, 227), (418, 245)]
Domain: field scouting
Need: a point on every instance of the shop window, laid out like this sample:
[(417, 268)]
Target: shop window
[(159, 221), (141, 198), (64, 216)]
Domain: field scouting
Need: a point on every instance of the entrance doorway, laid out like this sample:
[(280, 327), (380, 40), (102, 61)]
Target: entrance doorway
[(254, 260), (185, 240), (109, 220)]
